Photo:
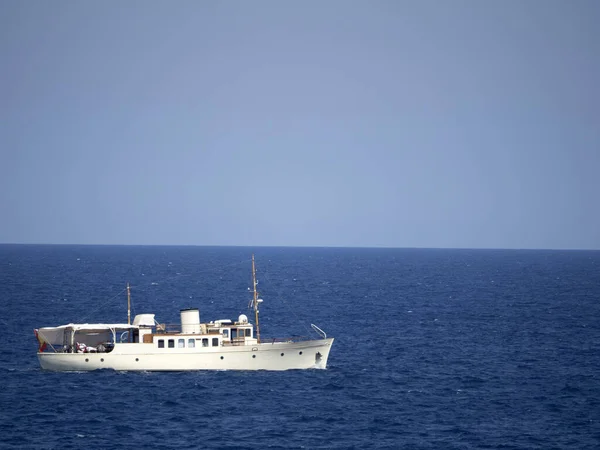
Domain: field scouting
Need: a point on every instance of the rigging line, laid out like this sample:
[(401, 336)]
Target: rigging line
[(102, 305), (237, 263), (5, 330), (208, 270), (21, 334), (212, 270), (222, 269), (287, 304), (141, 290), (137, 289), (84, 266)]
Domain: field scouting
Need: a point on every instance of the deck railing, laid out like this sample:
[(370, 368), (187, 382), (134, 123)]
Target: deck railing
[(175, 328), (285, 339)]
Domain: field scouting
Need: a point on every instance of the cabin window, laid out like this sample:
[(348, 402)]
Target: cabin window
[(161, 343), (171, 343), (215, 342), (181, 343), (205, 342), (233, 333), (226, 333), (248, 332), (191, 343)]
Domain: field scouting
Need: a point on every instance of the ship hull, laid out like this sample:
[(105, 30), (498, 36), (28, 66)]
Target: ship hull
[(144, 357)]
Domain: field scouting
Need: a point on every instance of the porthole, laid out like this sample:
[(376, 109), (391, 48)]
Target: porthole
[(282, 354), (87, 360), (300, 353), (137, 359), (222, 357), (101, 359), (254, 356)]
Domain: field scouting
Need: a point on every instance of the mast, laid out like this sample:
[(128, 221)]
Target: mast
[(256, 300), (128, 305)]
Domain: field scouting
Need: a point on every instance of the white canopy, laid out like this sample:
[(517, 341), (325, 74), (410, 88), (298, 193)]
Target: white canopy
[(55, 335)]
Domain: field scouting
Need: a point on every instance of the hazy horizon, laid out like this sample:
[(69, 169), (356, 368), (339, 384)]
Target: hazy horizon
[(297, 246)]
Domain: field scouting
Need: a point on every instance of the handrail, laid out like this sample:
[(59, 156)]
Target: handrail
[(288, 339), (318, 330), (167, 328)]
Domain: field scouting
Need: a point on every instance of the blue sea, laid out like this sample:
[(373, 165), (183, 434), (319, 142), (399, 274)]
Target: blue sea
[(434, 349)]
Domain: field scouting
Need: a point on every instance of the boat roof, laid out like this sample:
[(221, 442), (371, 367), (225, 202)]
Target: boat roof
[(91, 327), (55, 335)]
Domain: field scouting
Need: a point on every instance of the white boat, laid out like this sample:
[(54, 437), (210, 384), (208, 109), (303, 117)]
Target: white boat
[(146, 345)]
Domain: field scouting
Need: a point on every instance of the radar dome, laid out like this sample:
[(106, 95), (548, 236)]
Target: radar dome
[(243, 318)]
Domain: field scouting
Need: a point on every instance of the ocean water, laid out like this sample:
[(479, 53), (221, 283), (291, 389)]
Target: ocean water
[(435, 349)]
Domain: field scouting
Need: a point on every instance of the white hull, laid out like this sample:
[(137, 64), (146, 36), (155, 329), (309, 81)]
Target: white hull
[(145, 357)]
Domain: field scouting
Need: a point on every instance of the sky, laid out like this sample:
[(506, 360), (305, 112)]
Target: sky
[(453, 124)]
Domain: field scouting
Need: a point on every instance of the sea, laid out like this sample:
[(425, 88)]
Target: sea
[(434, 349)]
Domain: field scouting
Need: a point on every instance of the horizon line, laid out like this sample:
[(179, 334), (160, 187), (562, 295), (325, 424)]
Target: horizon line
[(366, 247)]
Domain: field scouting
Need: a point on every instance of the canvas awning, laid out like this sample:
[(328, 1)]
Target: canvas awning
[(55, 335)]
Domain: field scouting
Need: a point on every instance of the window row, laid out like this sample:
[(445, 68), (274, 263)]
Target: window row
[(191, 342), (238, 332)]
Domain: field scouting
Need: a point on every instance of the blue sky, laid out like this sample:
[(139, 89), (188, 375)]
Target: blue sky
[(315, 123)]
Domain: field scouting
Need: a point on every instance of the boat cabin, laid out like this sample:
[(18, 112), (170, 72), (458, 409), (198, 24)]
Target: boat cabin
[(102, 338)]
